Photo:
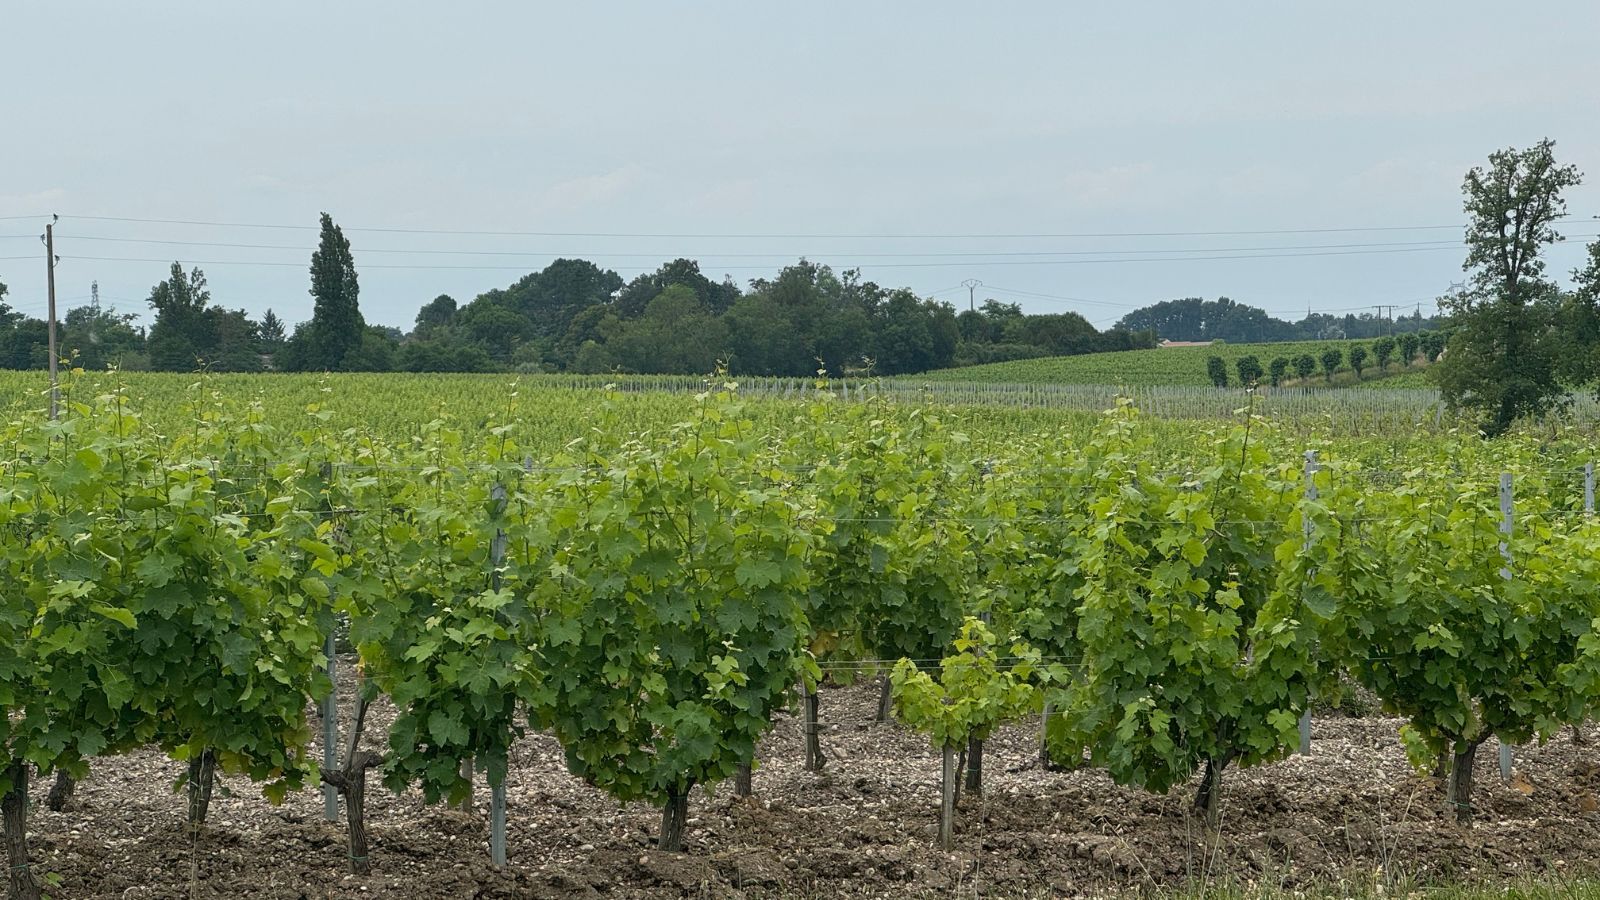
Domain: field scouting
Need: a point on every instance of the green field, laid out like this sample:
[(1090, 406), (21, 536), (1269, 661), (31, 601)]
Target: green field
[(1176, 366), (549, 411)]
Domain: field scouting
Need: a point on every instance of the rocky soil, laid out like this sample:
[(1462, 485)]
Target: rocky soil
[(1352, 812)]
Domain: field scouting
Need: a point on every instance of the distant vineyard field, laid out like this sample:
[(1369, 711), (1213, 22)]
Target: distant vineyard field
[(1176, 366)]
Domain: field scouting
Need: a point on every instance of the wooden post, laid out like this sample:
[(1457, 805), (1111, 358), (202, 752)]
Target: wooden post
[(497, 817), (466, 775), (974, 759), (1588, 489), (50, 281), (497, 778), (330, 729), (1311, 494), (330, 703), (947, 809), (1044, 734), (1506, 526)]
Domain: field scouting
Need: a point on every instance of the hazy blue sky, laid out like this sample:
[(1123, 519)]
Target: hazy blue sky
[(977, 126)]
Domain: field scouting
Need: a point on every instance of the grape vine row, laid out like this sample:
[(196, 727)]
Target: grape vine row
[(653, 597)]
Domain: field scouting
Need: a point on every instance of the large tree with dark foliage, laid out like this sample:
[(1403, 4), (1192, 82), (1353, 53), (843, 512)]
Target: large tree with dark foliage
[(437, 313), (95, 337), (529, 323), (718, 297), (1502, 356), (1195, 319), (190, 334), (1580, 324), (675, 320), (24, 341), (176, 338)]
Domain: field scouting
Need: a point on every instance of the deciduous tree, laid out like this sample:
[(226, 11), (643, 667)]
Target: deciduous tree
[(1502, 355)]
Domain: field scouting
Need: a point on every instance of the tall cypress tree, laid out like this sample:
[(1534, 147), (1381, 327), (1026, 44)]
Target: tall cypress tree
[(336, 322)]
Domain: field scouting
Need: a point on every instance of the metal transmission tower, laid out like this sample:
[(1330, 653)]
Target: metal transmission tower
[(972, 285)]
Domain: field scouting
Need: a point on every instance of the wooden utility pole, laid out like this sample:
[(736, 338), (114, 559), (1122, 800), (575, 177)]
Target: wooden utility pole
[(1389, 318), (50, 282)]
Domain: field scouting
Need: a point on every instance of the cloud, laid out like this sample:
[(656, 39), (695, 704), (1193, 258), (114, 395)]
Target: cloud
[(1108, 186), (43, 202), (727, 198), (575, 194)]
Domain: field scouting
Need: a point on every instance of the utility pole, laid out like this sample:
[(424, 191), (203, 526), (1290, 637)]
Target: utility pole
[(49, 238), (972, 285), (1390, 318)]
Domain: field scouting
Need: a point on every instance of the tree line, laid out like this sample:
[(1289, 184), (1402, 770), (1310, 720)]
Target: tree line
[(1516, 344), (1404, 349), (572, 316), (1222, 319)]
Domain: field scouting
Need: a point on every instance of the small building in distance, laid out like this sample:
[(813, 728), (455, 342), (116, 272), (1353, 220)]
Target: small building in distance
[(1166, 344)]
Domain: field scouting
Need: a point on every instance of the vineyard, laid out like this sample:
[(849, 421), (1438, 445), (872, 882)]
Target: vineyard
[(1166, 367), (1381, 427), (644, 586)]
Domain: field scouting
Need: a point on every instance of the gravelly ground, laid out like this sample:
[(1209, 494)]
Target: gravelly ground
[(1352, 811)]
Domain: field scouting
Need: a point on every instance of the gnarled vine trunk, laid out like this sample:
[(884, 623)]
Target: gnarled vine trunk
[(1208, 799), (61, 791), (673, 818), (202, 774), (14, 811), (815, 759), (1458, 796), (742, 781), (884, 700), (351, 783)]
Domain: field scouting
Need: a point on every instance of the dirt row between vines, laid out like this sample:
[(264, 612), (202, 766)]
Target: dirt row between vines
[(1352, 811)]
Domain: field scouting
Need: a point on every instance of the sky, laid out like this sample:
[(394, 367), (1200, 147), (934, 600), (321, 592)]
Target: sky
[(1067, 156)]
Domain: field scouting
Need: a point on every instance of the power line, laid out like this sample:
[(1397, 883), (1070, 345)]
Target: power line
[(788, 235), (886, 255), (863, 265), (1038, 296)]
